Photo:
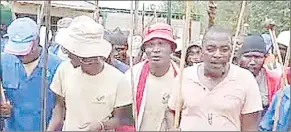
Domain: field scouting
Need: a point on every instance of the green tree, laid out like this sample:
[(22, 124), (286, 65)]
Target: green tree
[(227, 13)]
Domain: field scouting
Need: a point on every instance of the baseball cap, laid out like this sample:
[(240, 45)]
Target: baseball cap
[(21, 33)]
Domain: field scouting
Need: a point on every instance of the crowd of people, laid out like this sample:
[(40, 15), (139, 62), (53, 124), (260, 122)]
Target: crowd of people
[(92, 88)]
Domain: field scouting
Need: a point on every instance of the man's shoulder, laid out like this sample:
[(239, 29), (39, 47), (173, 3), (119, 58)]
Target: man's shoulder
[(120, 65), (112, 71), (240, 73), (53, 61), (6, 57)]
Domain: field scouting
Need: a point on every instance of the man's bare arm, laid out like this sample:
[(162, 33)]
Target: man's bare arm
[(120, 117), (58, 115), (250, 122)]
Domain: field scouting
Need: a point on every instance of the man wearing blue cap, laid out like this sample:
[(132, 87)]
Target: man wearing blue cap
[(22, 74)]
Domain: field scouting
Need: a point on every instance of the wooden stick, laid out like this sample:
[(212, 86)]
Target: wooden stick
[(44, 70), (96, 12), (3, 98), (131, 65), (237, 29), (40, 15), (182, 63)]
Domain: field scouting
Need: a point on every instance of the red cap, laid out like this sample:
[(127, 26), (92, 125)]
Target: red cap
[(159, 30)]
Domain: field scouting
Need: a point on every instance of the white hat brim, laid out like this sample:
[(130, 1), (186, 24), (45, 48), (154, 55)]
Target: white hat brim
[(84, 48)]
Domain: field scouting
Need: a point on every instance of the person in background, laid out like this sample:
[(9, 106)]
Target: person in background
[(283, 41), (118, 41), (91, 94), (252, 55), (56, 48), (194, 53), (216, 95), (120, 46), (267, 122), (22, 65)]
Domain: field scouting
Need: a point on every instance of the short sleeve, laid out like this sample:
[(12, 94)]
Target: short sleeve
[(174, 94), (123, 93), (253, 101), (56, 85)]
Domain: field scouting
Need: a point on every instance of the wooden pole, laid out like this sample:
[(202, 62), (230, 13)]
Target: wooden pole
[(44, 70), (169, 16), (211, 13), (182, 63), (3, 98), (131, 65), (243, 5), (40, 14), (96, 13), (142, 18), (135, 30)]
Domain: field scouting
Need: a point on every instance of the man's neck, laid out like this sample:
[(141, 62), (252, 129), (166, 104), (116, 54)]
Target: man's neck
[(215, 75), (161, 70)]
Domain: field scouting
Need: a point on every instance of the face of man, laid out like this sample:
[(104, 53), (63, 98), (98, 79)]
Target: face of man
[(216, 51), (194, 55), (158, 51), (119, 52), (283, 51), (32, 55), (253, 61), (89, 65)]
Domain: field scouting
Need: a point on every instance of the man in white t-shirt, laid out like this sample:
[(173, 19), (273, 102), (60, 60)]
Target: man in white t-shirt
[(94, 93), (217, 95), (153, 78)]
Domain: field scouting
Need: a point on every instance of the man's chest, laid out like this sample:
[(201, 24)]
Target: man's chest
[(227, 98)]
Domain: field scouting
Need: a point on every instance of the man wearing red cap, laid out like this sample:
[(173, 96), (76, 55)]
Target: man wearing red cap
[(153, 77)]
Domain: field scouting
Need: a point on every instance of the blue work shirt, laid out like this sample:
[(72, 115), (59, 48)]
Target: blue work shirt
[(54, 49), (119, 65), (284, 118), (2, 44), (24, 93)]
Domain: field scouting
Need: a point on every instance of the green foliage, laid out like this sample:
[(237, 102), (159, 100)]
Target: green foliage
[(227, 13)]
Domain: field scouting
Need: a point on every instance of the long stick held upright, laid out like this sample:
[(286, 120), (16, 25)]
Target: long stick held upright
[(182, 63), (44, 70), (131, 64), (243, 5)]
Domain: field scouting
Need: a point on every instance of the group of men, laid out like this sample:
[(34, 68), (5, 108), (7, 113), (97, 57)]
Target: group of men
[(89, 81)]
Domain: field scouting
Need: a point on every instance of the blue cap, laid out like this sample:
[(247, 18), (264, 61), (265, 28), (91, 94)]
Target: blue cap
[(21, 33)]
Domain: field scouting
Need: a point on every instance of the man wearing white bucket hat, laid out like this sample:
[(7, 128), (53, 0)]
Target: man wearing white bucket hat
[(84, 85), (153, 78), (283, 41)]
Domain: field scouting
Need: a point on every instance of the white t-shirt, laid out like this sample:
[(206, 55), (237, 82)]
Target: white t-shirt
[(90, 98), (30, 67)]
